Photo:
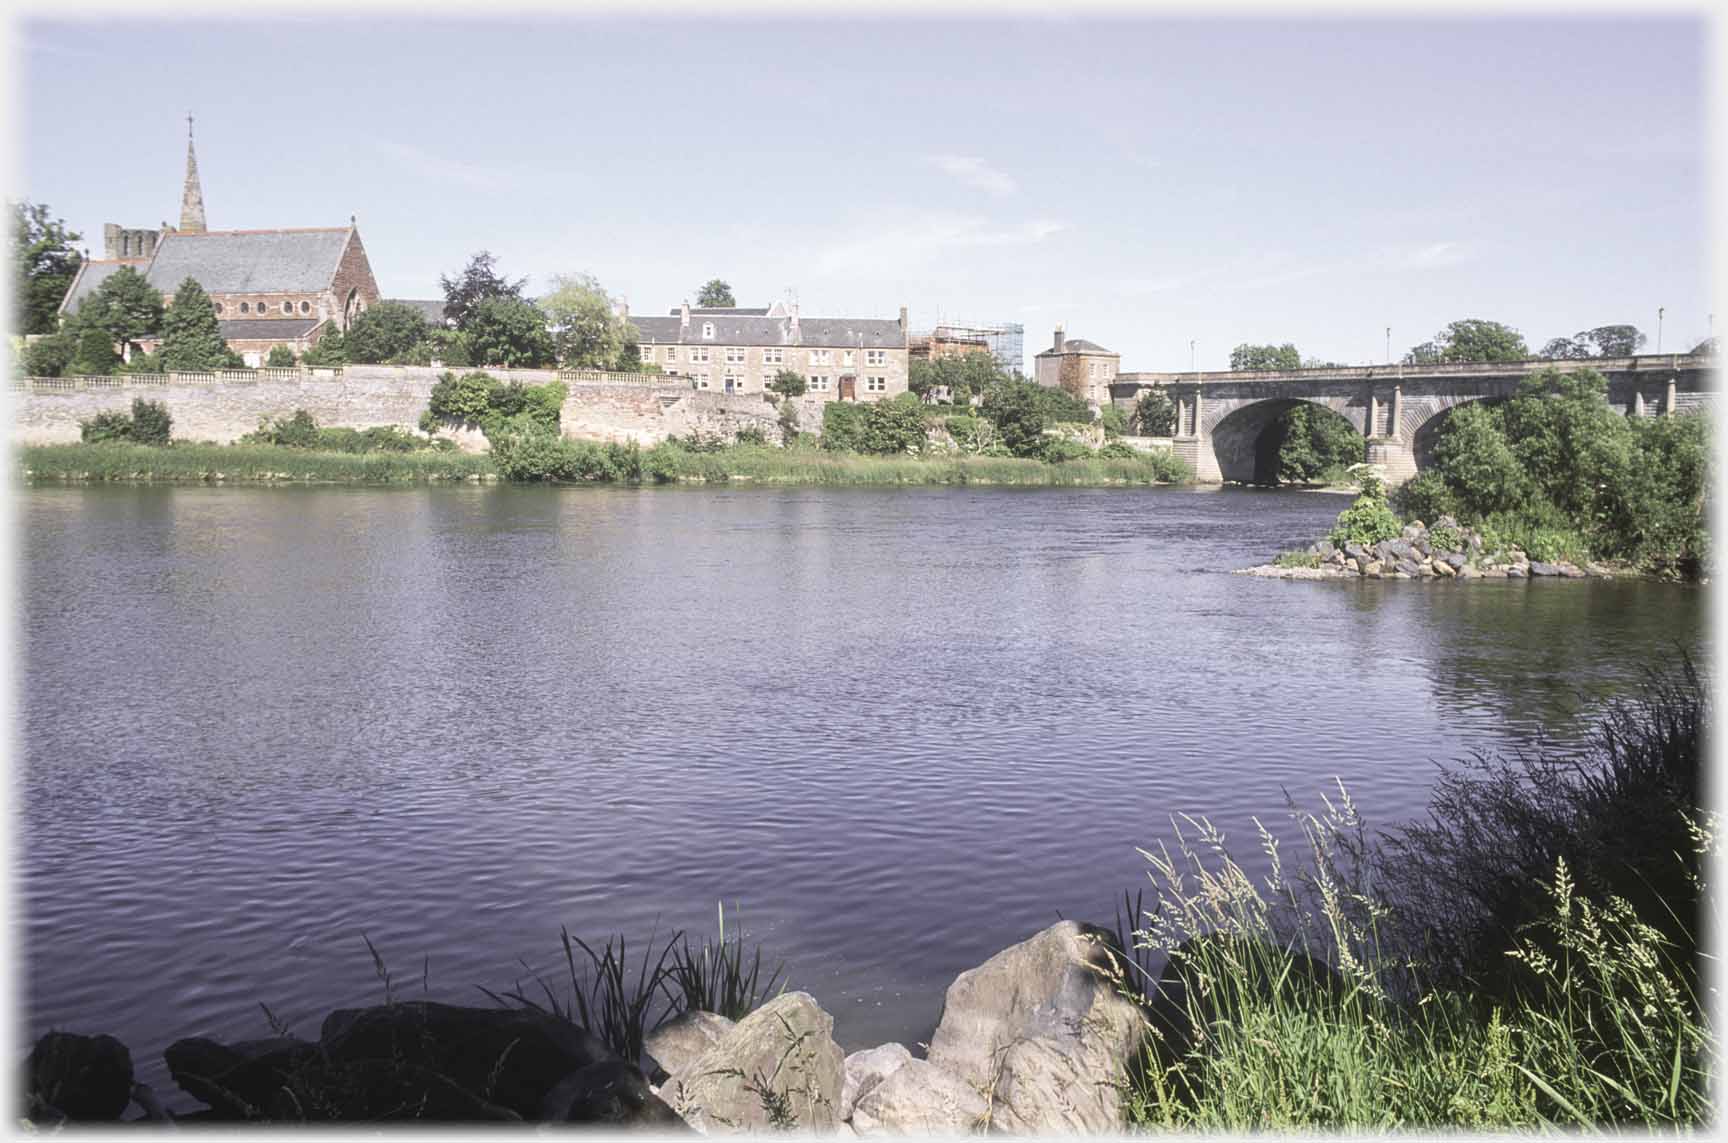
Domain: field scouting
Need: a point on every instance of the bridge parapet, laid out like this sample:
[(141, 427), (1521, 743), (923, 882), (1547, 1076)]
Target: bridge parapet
[(1643, 363)]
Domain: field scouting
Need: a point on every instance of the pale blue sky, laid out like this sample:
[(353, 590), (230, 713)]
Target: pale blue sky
[(1143, 181)]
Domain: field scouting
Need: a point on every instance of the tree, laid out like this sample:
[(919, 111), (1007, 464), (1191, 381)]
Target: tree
[(95, 356), (716, 294), (329, 350), (44, 264), (586, 331), (1155, 413), (49, 356), (1471, 339), (1313, 444), (1265, 358), (477, 282), (191, 339), (1613, 340), (124, 306), (964, 375), (1564, 349), (788, 384), (1018, 414), (509, 332), (281, 357), (384, 332)]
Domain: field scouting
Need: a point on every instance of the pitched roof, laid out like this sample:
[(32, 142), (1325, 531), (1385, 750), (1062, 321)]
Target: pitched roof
[(432, 309), (750, 329), (1078, 345), (249, 261), (91, 274), (267, 329), (740, 310)]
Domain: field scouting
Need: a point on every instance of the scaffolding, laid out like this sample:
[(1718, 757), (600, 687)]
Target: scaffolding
[(1003, 341)]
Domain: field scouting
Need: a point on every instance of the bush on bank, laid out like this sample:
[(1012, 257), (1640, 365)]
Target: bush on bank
[(1557, 472)]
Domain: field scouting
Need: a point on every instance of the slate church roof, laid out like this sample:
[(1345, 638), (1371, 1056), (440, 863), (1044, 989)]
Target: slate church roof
[(250, 261)]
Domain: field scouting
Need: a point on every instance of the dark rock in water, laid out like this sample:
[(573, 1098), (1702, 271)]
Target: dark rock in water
[(1517, 571), (611, 1093), (86, 1079), (510, 1057), (1324, 549), (238, 1081), (1409, 567), (1357, 552), (1539, 568), (1456, 560)]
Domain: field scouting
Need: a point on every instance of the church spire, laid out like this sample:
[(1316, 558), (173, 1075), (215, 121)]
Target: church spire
[(192, 198)]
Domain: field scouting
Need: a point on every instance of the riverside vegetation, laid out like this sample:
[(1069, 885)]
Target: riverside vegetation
[(1526, 958), (1021, 434)]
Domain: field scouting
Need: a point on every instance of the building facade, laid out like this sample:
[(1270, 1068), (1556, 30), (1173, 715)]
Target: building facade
[(269, 287), (739, 350), (1085, 369)]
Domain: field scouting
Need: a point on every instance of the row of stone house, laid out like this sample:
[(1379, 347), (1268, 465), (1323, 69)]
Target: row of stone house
[(292, 286)]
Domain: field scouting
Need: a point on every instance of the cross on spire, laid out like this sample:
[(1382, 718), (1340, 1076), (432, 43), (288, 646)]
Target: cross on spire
[(188, 125)]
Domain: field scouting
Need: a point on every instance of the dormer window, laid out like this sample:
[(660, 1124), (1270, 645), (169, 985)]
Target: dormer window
[(707, 331)]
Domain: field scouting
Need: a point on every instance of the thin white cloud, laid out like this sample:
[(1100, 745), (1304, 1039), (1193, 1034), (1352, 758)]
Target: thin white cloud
[(976, 172), (1434, 254), (921, 240), (443, 169)]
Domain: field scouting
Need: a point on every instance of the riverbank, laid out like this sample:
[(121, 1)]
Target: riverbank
[(662, 464)]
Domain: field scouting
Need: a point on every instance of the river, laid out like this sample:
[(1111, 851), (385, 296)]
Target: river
[(901, 728)]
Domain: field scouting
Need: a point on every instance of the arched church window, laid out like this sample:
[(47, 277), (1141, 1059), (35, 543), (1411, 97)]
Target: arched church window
[(244, 308)]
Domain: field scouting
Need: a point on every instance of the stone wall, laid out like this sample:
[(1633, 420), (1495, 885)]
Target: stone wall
[(223, 408)]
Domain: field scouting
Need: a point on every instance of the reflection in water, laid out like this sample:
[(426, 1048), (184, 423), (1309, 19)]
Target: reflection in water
[(903, 728)]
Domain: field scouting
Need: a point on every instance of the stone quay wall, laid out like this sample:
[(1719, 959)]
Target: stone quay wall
[(222, 407)]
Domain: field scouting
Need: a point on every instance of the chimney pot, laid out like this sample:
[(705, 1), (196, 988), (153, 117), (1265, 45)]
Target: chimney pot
[(1060, 340)]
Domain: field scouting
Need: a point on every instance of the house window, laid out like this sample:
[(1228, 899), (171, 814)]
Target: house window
[(645, 353), (846, 356), (875, 384), (734, 355), (699, 354), (702, 380), (821, 357), (707, 331), (875, 357), (305, 307), (671, 354), (734, 381), (773, 357), (819, 384)]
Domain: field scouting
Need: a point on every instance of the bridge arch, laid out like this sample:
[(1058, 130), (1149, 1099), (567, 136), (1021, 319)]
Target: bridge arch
[(1241, 437), (1423, 421)]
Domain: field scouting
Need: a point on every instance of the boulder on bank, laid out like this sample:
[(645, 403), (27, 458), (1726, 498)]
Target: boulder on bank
[(779, 1067), (865, 1070), (1042, 1031), (86, 1079), (919, 1098), (611, 1093), (673, 1045)]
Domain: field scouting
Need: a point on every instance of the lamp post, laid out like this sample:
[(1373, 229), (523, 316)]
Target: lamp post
[(1192, 368), (1659, 313), (1388, 345)]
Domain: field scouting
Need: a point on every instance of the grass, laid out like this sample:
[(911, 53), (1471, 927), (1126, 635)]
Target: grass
[(768, 465), (1298, 1000), (715, 978), (245, 464), (1296, 560)]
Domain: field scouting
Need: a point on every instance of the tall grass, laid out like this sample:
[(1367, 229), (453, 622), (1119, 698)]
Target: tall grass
[(1460, 972), (715, 977), (816, 466), (209, 463)]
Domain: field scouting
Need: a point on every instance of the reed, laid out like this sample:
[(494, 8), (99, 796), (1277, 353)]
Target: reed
[(244, 464)]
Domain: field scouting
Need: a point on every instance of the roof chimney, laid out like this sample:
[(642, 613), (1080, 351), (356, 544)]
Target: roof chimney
[(684, 320), (903, 325), (1060, 341), (797, 339)]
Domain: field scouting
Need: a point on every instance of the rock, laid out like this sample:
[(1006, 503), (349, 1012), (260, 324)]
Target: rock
[(1042, 1031), (1457, 560), (86, 1079), (1495, 571), (1517, 571), (866, 1069), (1538, 567), (677, 1042), (612, 1093), (1443, 569), (1353, 565), (1413, 531), (1445, 521), (1469, 572), (1594, 568), (1374, 569), (508, 1057), (1570, 570), (240, 1080), (1337, 557), (1356, 552), (779, 1067), (920, 1098), (1324, 549), (1407, 567)]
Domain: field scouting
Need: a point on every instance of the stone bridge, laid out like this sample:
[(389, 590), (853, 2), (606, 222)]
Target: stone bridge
[(1398, 409)]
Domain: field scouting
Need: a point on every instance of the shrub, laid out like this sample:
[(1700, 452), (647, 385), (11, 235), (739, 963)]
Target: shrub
[(466, 399), (1115, 424), (1058, 449), (1425, 497), (788, 420), (297, 431), (1367, 521), (1155, 413), (95, 356), (843, 426), (281, 357), (1116, 450), (151, 424), (1296, 560), (48, 356), (750, 435), (788, 384), (105, 427)]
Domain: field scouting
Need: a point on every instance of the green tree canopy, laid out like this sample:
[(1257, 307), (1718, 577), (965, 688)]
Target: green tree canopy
[(1564, 349), (1613, 340), (1155, 413), (1471, 339), (327, 351), (509, 332), (125, 306), (964, 375), (49, 355), (191, 340), (280, 357), (385, 332), (1265, 358), (43, 266), (477, 282), (587, 332), (716, 293), (95, 354), (788, 383)]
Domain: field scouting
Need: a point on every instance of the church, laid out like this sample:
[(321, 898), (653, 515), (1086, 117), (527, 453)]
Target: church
[(270, 287)]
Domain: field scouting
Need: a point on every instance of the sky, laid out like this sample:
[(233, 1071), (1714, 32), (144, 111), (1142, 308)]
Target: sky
[(1147, 181)]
